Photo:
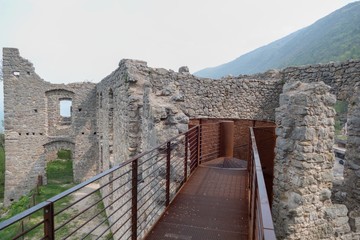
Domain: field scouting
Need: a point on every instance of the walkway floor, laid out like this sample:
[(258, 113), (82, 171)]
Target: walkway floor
[(212, 205)]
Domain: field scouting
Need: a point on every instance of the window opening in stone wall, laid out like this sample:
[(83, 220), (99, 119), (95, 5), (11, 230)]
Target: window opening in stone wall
[(341, 108), (65, 107), (16, 73), (65, 111)]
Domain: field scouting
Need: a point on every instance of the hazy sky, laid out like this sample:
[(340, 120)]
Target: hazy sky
[(83, 40)]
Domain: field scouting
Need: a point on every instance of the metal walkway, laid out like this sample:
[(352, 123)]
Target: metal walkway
[(212, 205), (225, 198)]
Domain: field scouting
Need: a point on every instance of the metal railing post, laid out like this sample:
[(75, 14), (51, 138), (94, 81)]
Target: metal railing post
[(198, 145), (168, 155), (49, 228), (134, 183), (226, 139), (249, 159), (186, 156)]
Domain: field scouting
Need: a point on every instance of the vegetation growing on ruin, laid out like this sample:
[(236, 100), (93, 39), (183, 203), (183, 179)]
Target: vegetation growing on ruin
[(60, 171), (60, 178), (341, 108), (25, 202)]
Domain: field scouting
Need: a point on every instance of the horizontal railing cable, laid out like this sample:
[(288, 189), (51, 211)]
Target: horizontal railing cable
[(129, 184)]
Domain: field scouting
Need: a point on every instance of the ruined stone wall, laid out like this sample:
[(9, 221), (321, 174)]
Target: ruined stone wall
[(244, 97), (33, 122), (151, 105), (341, 77), (25, 125), (119, 100), (140, 107), (302, 208), (352, 167), (137, 107), (157, 105)]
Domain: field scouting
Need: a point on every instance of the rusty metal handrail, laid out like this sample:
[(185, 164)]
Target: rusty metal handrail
[(260, 219), (185, 160)]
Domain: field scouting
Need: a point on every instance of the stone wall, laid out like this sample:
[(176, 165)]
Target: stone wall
[(352, 167), (33, 121), (302, 208), (140, 107), (151, 105), (341, 77), (244, 97), (137, 107)]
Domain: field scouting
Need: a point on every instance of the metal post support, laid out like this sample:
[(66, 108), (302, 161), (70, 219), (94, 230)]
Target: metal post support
[(186, 156), (227, 139), (134, 185), (249, 158), (198, 139), (168, 155), (49, 229)]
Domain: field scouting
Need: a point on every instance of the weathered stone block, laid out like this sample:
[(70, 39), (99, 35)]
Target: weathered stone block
[(354, 221)]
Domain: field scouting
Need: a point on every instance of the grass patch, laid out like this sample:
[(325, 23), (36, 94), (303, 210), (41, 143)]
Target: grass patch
[(60, 172), (60, 178), (25, 202), (64, 154), (342, 137), (341, 107)]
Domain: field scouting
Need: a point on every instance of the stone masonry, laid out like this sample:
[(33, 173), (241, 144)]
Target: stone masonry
[(137, 107), (352, 167), (341, 77), (140, 107), (302, 208), (35, 129)]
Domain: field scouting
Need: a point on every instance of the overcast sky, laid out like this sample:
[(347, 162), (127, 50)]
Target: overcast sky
[(84, 40)]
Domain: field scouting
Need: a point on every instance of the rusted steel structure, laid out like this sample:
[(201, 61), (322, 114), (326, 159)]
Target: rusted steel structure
[(181, 157)]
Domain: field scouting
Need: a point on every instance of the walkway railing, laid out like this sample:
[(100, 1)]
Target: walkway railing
[(260, 219), (122, 202), (126, 201)]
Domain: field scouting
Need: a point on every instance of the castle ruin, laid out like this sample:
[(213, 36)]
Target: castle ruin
[(137, 107)]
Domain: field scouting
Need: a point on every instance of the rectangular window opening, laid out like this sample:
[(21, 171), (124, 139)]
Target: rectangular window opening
[(65, 108)]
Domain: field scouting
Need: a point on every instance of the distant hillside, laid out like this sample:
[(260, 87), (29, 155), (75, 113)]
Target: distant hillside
[(335, 37)]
